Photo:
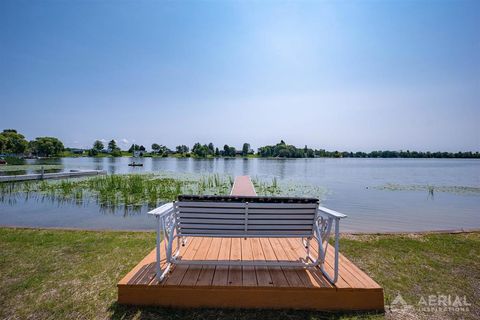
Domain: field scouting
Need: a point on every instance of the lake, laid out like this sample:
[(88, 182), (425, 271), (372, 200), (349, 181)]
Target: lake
[(376, 194)]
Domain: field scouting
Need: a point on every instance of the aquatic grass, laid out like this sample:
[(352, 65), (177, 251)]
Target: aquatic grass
[(135, 190), (289, 188), (430, 189), (131, 190)]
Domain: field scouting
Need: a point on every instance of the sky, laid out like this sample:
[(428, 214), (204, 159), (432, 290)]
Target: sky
[(343, 75)]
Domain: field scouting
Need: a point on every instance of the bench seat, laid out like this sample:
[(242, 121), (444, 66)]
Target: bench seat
[(247, 217)]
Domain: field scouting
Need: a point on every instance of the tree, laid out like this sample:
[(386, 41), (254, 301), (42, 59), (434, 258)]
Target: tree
[(98, 145), (196, 146), (114, 149), (182, 149), (211, 149), (164, 151), (112, 145), (134, 147), (13, 142), (160, 150), (284, 150), (46, 146), (156, 147), (3, 143), (199, 150), (226, 150), (217, 152), (141, 148), (245, 149), (229, 151)]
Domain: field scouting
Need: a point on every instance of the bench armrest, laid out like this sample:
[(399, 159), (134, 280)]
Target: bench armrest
[(331, 213), (163, 210)]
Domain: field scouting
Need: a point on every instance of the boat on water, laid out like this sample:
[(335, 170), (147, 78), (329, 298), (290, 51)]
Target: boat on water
[(134, 164)]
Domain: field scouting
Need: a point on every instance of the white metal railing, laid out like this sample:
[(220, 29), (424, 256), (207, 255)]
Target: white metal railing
[(325, 219)]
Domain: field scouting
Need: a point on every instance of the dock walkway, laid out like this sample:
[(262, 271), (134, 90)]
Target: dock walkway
[(54, 175)]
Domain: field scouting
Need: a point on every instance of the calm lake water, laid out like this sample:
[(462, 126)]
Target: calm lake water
[(354, 187)]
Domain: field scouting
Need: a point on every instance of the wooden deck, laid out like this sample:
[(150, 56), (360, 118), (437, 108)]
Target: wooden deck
[(54, 175), (250, 287)]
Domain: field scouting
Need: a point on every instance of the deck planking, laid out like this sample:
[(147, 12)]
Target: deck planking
[(355, 288)]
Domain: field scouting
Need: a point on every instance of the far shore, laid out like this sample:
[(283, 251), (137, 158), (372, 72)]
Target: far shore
[(240, 157)]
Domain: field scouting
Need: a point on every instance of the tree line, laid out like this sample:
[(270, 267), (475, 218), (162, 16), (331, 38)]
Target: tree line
[(283, 150), (198, 150), (14, 143), (399, 154)]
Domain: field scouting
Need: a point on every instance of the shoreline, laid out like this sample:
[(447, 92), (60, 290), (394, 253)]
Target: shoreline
[(359, 233), (244, 157)]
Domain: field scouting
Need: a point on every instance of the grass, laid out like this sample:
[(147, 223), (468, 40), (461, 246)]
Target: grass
[(421, 265), (55, 274)]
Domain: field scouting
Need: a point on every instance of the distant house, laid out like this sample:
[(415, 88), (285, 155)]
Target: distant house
[(77, 151)]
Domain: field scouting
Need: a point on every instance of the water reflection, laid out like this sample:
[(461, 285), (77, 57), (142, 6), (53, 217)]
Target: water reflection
[(98, 163), (29, 198), (112, 165), (245, 166)]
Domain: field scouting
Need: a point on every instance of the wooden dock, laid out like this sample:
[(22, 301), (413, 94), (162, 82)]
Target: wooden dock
[(54, 175), (250, 287)]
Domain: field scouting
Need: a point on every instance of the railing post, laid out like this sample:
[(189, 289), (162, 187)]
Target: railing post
[(246, 218), (159, 227), (337, 235)]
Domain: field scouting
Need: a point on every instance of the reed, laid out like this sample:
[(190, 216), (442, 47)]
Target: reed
[(132, 191), (117, 190)]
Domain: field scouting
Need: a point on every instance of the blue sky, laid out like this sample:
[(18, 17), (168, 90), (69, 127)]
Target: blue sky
[(346, 75)]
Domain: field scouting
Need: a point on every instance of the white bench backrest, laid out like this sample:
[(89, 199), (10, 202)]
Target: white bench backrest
[(242, 219)]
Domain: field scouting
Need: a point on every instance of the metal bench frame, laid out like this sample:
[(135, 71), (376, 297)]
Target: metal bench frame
[(325, 219)]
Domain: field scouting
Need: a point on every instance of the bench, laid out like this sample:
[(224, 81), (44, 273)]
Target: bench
[(246, 217)]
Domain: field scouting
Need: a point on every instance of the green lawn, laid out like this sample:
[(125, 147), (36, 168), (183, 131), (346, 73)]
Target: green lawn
[(53, 274)]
